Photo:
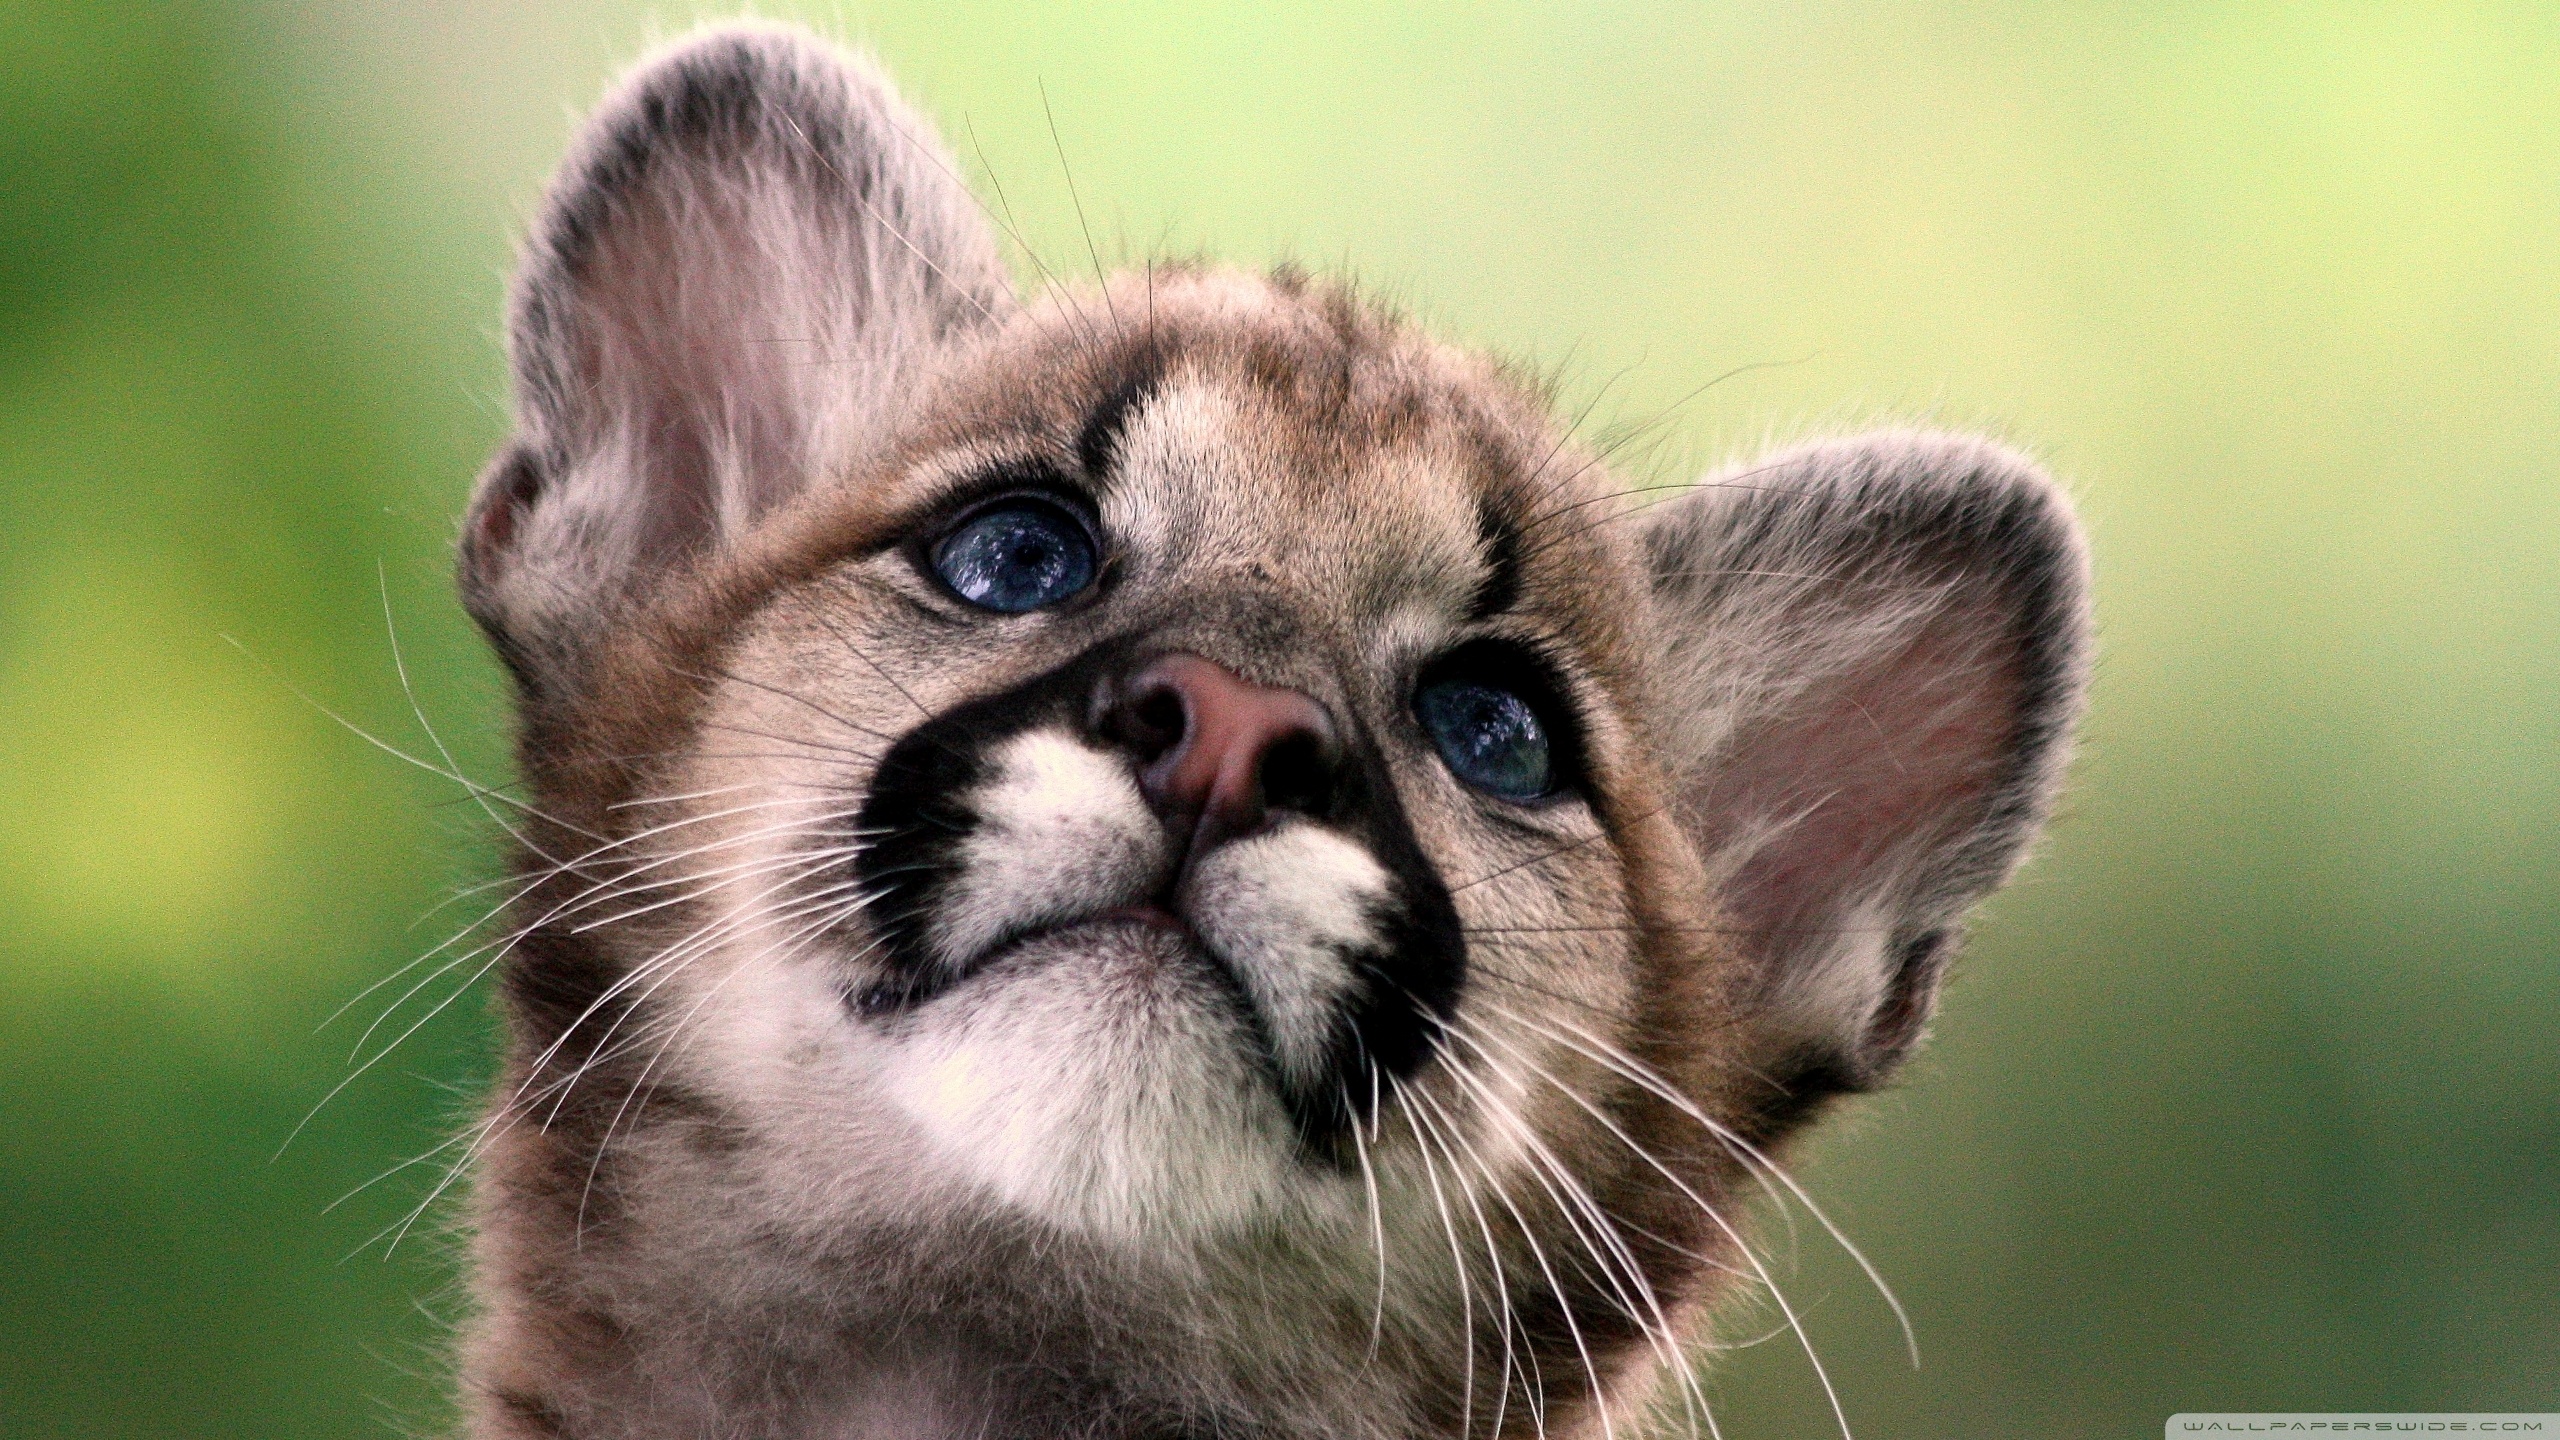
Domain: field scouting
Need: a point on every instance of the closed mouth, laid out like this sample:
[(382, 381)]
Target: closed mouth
[(1151, 913), (909, 992)]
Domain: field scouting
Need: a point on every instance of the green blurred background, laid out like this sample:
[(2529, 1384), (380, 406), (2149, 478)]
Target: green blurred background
[(2247, 1097)]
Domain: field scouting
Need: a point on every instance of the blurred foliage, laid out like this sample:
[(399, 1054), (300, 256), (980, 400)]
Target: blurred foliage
[(2247, 1096)]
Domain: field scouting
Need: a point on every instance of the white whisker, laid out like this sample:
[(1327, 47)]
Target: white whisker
[(1659, 1331), (1767, 1280), (1636, 1072), (1457, 1258), (1555, 1285)]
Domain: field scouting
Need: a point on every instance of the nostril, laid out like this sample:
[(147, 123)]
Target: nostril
[(1152, 719), (1297, 774), (1158, 721)]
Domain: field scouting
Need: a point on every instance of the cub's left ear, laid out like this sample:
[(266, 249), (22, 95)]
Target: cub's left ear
[(1871, 652), (743, 277)]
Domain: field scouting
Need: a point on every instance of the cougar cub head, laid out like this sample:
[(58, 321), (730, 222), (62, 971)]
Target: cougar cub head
[(1173, 857)]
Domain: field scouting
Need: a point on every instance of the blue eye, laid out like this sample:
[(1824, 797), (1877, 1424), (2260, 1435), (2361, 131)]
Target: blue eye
[(1491, 738), (1015, 556)]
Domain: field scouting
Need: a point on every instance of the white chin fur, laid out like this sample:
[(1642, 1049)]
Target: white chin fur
[(1103, 1077), (1100, 1079)]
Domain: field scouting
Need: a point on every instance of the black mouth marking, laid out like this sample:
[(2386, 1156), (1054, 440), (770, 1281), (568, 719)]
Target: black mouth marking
[(917, 821)]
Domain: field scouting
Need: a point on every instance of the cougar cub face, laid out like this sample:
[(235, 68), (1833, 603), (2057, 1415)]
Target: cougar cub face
[(1173, 858)]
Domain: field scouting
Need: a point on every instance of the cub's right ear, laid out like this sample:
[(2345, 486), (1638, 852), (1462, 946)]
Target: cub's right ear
[(750, 259)]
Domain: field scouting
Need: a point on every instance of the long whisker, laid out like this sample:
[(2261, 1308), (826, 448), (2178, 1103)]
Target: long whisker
[(1664, 1335), (602, 889), (1555, 1287), (1377, 1212), (640, 973), (1503, 1306), (497, 952), (719, 672), (1639, 1073), (1457, 1259), (1565, 435), (1542, 857), (1077, 198), (640, 1085), (394, 751), (819, 613), (855, 193), (1768, 1281), (1504, 1309), (1663, 416), (1728, 482), (1602, 1227), (1077, 320), (400, 667), (517, 1107), (508, 1113)]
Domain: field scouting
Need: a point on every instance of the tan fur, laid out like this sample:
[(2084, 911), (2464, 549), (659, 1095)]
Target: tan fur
[(715, 1195)]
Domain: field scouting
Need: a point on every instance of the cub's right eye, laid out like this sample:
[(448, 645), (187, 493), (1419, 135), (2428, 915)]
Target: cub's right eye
[(1016, 554)]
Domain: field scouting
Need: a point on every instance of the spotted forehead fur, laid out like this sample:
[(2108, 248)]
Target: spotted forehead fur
[(1414, 467)]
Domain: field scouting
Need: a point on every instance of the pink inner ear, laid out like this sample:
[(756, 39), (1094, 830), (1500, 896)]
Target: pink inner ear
[(699, 338), (1868, 771), (508, 493)]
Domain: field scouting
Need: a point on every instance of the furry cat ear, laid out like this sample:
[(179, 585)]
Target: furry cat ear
[(750, 257), (1872, 654)]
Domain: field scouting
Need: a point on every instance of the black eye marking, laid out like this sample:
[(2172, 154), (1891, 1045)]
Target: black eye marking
[(1098, 443), (1501, 587), (1017, 553), (1499, 721)]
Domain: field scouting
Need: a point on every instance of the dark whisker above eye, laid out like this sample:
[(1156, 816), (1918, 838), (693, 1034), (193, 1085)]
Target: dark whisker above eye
[(1500, 589), (1098, 443)]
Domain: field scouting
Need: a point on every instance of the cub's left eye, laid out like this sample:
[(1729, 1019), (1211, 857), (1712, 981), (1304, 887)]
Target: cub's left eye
[(1489, 736), (1015, 555)]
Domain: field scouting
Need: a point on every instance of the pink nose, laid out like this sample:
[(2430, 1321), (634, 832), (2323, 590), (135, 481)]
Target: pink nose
[(1217, 752)]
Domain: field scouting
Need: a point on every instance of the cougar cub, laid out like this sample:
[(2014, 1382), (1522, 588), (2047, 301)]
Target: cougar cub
[(1173, 858)]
